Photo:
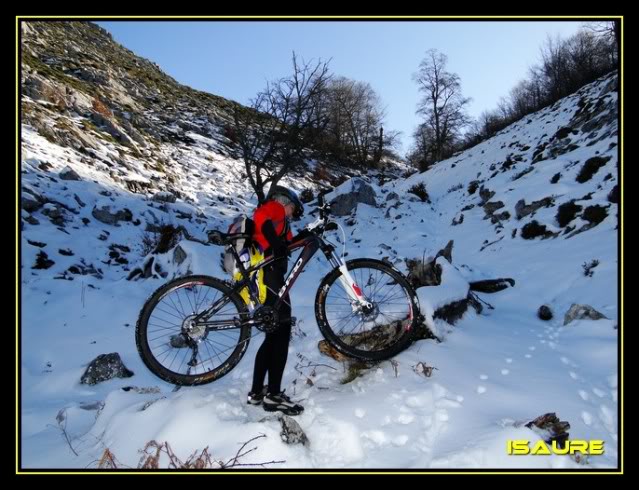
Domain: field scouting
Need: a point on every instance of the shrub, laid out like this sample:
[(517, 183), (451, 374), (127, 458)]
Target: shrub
[(567, 212), (420, 191)]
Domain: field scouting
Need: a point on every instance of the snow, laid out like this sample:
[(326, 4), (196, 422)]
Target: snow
[(495, 371)]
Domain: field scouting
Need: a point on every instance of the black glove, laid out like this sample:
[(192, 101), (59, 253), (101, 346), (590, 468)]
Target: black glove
[(301, 235), (281, 253), (276, 242)]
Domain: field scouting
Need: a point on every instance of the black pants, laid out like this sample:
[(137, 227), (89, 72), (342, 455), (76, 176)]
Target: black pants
[(272, 354)]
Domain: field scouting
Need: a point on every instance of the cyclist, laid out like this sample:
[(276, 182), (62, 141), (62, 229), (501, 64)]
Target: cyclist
[(273, 234)]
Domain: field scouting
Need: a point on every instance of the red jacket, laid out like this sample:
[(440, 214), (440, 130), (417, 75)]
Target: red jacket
[(274, 211)]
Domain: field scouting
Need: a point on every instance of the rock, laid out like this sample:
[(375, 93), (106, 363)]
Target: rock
[(79, 102), (421, 330), (544, 313), (31, 201), (595, 214), (567, 212), (42, 261), (134, 133), (78, 200), (344, 204), (426, 272), (179, 255), (105, 367), (446, 252), (364, 192), (55, 213), (164, 197), (491, 207), (41, 89), (146, 390), (458, 220), (492, 285), (591, 167), (85, 269), (356, 369), (111, 127), (328, 350), (138, 186), (496, 218), (581, 312), (45, 166), (550, 428), (105, 215), (485, 194), (68, 173), (392, 195), (534, 229), (90, 406), (292, 433), (522, 209), (31, 220), (422, 273), (563, 133), (453, 312)]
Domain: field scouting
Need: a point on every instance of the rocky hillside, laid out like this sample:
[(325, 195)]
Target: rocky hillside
[(108, 139)]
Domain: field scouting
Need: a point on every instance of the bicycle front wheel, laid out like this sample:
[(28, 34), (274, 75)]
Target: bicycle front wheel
[(178, 349), (382, 330)]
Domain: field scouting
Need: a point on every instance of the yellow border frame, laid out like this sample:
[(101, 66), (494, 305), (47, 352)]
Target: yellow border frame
[(319, 17)]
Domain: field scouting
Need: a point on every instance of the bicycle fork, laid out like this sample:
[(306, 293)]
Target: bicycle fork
[(359, 302)]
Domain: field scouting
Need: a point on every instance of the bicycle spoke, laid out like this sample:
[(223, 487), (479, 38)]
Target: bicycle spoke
[(189, 300), (181, 309), (170, 314), (368, 331), (207, 349), (163, 328), (161, 337)]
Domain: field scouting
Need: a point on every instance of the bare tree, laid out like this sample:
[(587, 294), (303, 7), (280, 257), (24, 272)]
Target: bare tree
[(590, 57), (555, 67), (354, 132), (611, 30), (276, 131), (442, 104), (423, 153), (566, 65)]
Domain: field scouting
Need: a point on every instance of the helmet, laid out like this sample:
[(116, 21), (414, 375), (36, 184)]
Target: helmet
[(285, 196)]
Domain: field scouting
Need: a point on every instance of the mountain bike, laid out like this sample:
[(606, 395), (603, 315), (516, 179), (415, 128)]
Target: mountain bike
[(195, 329)]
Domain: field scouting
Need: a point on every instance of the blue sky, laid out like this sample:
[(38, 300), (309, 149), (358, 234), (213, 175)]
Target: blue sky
[(234, 59)]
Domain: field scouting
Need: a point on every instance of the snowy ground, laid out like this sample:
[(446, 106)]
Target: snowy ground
[(495, 371)]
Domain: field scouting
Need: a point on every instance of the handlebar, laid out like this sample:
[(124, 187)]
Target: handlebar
[(322, 206), (322, 224)]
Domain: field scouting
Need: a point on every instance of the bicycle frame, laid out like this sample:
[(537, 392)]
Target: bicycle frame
[(310, 245)]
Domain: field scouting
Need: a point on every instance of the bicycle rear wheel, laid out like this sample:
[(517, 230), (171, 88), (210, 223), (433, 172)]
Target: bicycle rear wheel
[(181, 352)]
